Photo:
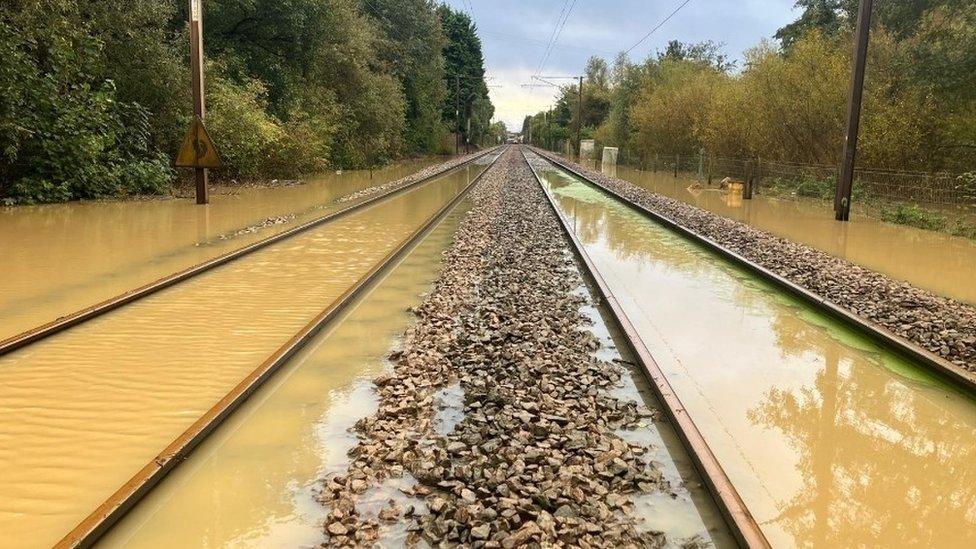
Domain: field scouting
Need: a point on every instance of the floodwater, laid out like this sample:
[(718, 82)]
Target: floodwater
[(686, 514), (60, 258), (84, 410), (939, 262), (830, 440), (253, 482)]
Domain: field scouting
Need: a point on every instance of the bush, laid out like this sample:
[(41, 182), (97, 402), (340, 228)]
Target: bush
[(247, 137), (914, 215), (65, 135), (966, 186)]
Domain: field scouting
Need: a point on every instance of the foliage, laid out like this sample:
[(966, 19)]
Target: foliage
[(914, 215), (966, 185), (247, 136), (467, 106), (411, 49), (668, 112), (94, 94), (64, 132), (787, 103)]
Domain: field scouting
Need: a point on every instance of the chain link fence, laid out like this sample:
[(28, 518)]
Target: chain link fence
[(794, 180)]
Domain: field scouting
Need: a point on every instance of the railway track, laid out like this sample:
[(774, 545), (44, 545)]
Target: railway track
[(123, 500), (940, 366), (740, 521), (713, 443), (70, 320), (722, 486)]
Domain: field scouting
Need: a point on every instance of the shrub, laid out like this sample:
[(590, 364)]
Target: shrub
[(914, 215), (247, 137), (64, 133)]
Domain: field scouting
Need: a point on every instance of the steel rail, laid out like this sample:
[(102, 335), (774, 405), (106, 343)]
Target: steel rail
[(73, 319), (931, 361), (741, 523), (86, 533)]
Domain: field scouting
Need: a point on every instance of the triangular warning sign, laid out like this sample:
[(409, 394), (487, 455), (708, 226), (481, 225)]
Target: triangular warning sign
[(198, 150)]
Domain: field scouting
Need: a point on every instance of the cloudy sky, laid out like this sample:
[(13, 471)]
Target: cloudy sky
[(515, 34)]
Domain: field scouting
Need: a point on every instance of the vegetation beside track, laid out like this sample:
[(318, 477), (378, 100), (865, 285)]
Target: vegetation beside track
[(94, 96), (786, 102)]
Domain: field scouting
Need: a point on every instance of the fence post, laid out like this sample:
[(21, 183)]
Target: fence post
[(747, 188), (759, 173), (677, 161)]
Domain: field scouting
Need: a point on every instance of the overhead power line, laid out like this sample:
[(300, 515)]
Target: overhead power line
[(557, 31), (552, 34), (658, 26), (542, 43)]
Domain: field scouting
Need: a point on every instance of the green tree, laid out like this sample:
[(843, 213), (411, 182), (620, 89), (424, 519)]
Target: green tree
[(411, 49), (467, 105), (64, 132)]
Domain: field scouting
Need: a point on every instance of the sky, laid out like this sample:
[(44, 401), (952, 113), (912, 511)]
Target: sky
[(515, 33)]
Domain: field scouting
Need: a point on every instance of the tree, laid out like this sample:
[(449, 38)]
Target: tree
[(464, 67), (65, 131), (411, 49), (828, 17)]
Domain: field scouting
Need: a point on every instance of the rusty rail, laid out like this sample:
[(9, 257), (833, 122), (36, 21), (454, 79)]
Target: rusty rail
[(743, 526), (86, 533), (73, 319), (934, 363)]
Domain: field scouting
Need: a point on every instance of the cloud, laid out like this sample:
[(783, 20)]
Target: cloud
[(516, 33)]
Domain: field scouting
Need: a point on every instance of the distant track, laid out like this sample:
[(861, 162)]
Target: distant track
[(737, 516), (78, 317), (125, 498)]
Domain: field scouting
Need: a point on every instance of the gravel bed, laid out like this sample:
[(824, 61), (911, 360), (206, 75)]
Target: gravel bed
[(534, 458), (426, 172), (943, 326)]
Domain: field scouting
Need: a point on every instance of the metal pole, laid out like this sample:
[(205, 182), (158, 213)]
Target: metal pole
[(579, 120), (842, 200), (549, 129), (457, 115), (196, 78)]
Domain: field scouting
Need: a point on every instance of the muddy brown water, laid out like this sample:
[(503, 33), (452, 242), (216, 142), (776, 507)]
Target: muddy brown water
[(938, 262), (295, 431), (60, 258), (84, 410), (253, 482), (830, 440)]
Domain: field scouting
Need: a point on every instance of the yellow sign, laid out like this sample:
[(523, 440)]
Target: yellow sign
[(198, 150)]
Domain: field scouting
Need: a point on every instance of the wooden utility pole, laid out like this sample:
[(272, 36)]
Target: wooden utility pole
[(842, 199), (196, 79), (457, 115), (579, 121)]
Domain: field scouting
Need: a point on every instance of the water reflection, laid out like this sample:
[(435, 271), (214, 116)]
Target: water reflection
[(939, 262), (868, 449), (830, 440)]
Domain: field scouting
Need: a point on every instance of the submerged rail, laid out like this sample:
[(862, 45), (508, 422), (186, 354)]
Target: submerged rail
[(78, 317), (125, 498), (934, 363), (742, 524)]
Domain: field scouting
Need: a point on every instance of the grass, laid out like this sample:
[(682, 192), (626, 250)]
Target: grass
[(916, 216), (805, 187), (911, 215)]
